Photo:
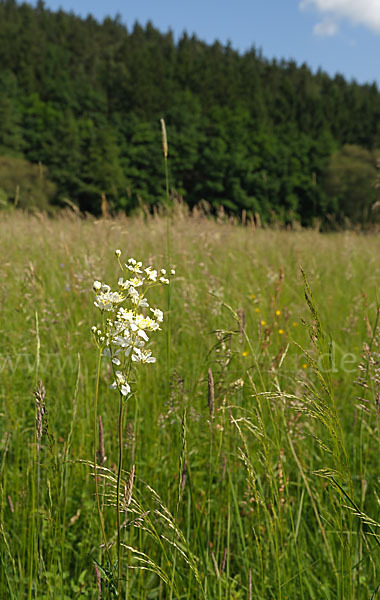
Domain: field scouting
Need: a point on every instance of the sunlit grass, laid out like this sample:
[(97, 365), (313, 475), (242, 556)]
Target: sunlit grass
[(236, 469)]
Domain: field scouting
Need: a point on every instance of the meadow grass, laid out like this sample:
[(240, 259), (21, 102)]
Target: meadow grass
[(254, 438)]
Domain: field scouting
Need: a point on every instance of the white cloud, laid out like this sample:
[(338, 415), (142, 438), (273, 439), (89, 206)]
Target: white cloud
[(325, 28), (359, 12)]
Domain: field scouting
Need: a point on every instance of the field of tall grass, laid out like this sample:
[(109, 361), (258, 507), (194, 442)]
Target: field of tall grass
[(254, 439)]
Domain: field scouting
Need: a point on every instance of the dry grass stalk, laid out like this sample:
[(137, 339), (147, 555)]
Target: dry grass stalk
[(164, 139), (184, 477), (281, 488), (258, 220), (98, 582), (40, 414), (10, 502), (211, 394), (242, 322), (75, 517), (104, 207), (214, 562), (223, 565)]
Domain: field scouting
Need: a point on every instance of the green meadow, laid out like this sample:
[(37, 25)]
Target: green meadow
[(254, 439)]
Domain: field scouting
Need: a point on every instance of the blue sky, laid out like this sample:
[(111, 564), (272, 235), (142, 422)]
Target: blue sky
[(340, 36)]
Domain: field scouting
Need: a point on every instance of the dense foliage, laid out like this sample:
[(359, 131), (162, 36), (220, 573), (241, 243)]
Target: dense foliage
[(84, 99)]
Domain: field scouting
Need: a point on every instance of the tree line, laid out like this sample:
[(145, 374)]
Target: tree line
[(81, 101)]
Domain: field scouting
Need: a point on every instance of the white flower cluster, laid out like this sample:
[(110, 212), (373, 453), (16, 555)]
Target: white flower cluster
[(126, 320)]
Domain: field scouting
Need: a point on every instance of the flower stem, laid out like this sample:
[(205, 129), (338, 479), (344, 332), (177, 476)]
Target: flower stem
[(119, 469), (95, 460)]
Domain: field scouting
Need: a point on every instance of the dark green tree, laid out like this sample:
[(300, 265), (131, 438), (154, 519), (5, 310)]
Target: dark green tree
[(351, 179)]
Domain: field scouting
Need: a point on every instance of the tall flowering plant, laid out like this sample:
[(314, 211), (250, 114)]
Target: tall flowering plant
[(123, 338)]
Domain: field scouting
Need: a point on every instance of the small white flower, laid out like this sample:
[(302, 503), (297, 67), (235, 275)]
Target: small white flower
[(136, 281), (172, 272), (134, 295), (158, 314), (151, 273), (136, 357), (143, 302), (146, 323), (93, 329), (107, 300), (143, 357), (126, 328), (125, 315), (124, 341), (121, 384), (125, 389), (123, 284), (135, 267)]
